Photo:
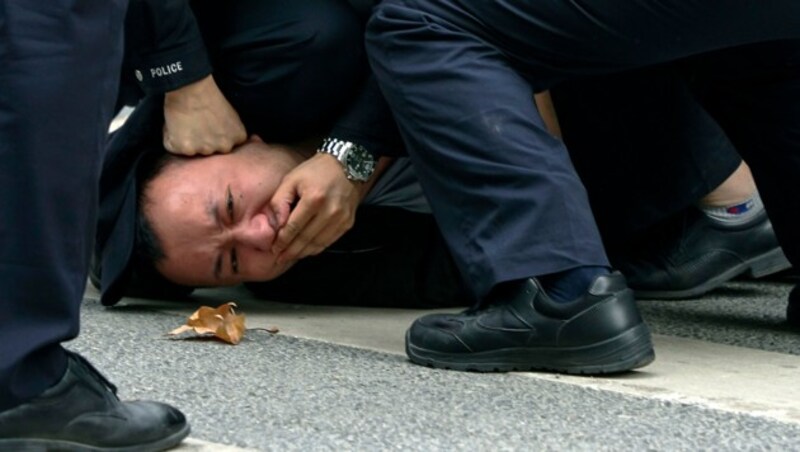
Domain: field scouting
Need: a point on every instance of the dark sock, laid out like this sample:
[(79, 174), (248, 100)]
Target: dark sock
[(571, 284)]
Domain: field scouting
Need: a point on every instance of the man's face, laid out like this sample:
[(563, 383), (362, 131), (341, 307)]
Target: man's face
[(213, 218)]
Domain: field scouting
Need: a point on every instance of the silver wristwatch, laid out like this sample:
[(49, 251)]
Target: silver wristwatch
[(357, 162)]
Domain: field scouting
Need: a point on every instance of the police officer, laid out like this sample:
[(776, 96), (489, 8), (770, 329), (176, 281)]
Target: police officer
[(459, 75), (223, 70), (59, 70)]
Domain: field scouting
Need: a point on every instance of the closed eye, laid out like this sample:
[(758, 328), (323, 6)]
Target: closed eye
[(229, 204), (231, 217)]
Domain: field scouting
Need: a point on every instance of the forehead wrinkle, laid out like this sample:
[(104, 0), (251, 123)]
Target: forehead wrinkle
[(182, 212)]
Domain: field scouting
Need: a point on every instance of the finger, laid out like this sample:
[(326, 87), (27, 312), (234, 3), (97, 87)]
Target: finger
[(227, 144), (241, 135), (282, 200), (167, 140), (173, 149), (177, 147), (205, 150), (307, 241), (310, 250), (322, 232), (295, 224), (326, 237)]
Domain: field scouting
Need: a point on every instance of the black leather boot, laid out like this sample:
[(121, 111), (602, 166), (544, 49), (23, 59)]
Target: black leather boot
[(691, 255), (82, 413)]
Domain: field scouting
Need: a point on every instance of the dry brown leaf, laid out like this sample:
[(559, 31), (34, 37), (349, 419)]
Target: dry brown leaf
[(221, 322)]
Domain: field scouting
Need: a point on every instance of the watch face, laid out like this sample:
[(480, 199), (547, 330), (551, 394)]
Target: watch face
[(360, 163)]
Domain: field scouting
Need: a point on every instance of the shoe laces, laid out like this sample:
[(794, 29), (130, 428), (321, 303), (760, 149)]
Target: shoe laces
[(93, 370)]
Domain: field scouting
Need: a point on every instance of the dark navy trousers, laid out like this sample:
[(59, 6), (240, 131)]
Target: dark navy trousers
[(460, 75), (644, 147), (59, 71)]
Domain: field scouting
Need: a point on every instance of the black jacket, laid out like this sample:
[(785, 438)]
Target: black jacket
[(165, 50)]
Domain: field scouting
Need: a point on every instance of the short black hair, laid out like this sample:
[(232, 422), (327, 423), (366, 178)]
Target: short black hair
[(147, 246), (148, 250)]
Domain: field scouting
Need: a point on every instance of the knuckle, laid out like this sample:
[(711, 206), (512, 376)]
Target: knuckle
[(315, 199), (305, 238), (292, 229), (185, 145), (183, 152), (292, 253), (226, 145)]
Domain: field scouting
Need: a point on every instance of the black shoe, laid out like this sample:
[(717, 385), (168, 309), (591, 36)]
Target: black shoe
[(601, 332), (793, 308), (693, 255), (82, 413)]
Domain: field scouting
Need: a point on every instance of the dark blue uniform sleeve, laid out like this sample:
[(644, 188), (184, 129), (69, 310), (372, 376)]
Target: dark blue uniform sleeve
[(369, 122), (165, 51), (164, 45)]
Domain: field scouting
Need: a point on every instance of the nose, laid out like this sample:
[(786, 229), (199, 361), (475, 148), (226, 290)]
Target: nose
[(256, 233)]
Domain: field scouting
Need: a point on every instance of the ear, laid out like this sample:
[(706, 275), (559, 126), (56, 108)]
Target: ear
[(255, 138)]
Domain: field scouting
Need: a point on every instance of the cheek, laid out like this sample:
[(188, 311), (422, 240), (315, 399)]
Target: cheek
[(260, 185), (185, 271)]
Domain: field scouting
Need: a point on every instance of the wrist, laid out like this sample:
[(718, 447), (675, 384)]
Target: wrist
[(358, 164), (195, 92)]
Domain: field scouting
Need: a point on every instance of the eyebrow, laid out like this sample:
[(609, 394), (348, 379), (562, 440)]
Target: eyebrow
[(213, 211), (229, 211)]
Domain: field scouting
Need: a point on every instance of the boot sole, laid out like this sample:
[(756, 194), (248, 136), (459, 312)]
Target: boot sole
[(765, 264), (630, 350), (44, 445)]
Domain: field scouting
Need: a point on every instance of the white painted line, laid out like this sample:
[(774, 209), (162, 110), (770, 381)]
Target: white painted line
[(724, 377), (717, 376), (196, 445)]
